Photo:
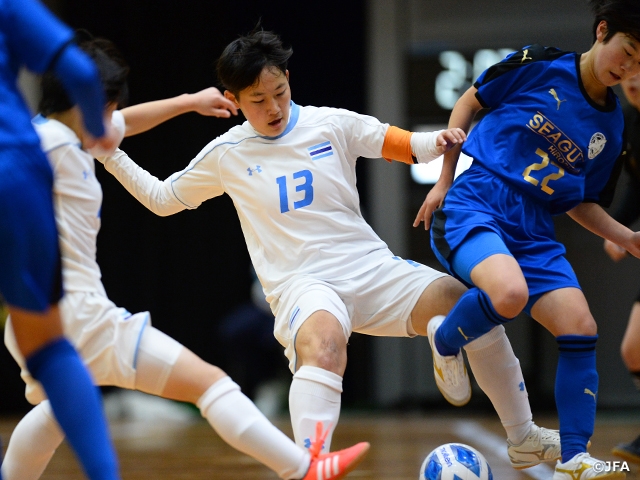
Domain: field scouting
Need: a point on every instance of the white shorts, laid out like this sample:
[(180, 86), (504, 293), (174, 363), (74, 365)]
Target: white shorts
[(105, 335), (377, 302)]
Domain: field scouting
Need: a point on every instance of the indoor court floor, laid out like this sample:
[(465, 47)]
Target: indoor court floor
[(192, 451)]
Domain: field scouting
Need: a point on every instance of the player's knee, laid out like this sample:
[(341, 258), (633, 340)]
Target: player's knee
[(510, 299), (325, 349), (585, 325)]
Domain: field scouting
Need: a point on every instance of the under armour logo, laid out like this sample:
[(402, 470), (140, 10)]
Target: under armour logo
[(524, 56), (257, 169), (589, 392), (555, 95), (465, 337), (307, 443)]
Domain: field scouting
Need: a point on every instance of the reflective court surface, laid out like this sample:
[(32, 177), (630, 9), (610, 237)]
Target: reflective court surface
[(190, 449)]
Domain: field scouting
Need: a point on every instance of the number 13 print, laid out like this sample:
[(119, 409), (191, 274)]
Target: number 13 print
[(306, 186)]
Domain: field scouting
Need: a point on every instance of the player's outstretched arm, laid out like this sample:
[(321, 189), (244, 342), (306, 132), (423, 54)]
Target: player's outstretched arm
[(595, 219), (154, 194), (144, 116), (462, 115)]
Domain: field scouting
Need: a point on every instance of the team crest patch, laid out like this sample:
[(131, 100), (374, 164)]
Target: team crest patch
[(596, 145), (321, 150)]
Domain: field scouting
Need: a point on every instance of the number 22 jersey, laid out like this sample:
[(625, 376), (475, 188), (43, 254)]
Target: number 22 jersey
[(543, 135)]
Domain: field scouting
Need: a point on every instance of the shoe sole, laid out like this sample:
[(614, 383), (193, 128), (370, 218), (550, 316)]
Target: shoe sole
[(625, 455), (452, 401), (523, 466), (356, 461), (455, 403)]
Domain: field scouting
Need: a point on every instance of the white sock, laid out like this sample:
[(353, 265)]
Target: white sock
[(239, 422), (314, 396), (497, 371), (32, 444)]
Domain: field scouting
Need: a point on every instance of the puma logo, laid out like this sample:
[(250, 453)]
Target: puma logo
[(524, 56), (589, 392), (555, 95), (465, 337)]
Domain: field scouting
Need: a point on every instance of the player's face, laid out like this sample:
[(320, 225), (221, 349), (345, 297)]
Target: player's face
[(619, 58), (631, 88), (266, 104)]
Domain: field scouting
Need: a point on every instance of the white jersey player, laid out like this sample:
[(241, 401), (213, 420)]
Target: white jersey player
[(290, 171), (122, 349)]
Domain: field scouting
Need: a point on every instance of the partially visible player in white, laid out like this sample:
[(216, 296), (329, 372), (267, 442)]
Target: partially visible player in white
[(121, 348), (290, 171)]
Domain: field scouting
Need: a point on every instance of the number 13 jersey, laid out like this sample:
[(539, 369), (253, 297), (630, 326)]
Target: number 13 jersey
[(295, 194)]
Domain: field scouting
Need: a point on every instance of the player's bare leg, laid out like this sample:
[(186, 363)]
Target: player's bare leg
[(34, 330), (437, 299), (631, 357), (316, 388)]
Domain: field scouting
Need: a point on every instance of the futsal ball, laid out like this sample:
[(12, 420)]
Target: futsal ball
[(455, 461)]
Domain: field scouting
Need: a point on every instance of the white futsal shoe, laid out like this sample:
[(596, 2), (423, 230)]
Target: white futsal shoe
[(583, 467), (449, 371), (541, 445)]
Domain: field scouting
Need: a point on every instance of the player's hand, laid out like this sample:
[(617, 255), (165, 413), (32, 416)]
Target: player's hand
[(114, 128), (431, 203), (449, 138), (615, 252), (107, 144), (210, 102), (634, 245)]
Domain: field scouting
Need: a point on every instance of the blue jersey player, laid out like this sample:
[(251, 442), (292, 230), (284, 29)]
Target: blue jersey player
[(30, 278), (549, 144)]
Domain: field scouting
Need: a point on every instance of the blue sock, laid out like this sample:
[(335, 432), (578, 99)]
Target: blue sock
[(77, 407), (576, 389), (470, 318)]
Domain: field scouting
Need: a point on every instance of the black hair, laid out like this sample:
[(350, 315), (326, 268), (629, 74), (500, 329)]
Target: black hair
[(243, 60), (111, 66), (622, 16)]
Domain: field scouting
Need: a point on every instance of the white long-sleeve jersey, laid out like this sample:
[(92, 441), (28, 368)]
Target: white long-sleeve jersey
[(295, 194), (77, 200)]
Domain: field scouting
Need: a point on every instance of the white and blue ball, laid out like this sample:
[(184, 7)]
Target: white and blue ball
[(455, 461)]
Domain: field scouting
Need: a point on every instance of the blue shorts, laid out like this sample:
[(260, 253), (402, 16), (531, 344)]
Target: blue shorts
[(482, 216), (30, 271)]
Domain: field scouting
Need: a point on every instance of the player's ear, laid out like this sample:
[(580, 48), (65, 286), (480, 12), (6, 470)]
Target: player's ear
[(286, 73), (230, 96), (601, 31)]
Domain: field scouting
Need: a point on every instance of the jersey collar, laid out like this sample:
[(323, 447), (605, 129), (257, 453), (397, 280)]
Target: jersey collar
[(294, 113)]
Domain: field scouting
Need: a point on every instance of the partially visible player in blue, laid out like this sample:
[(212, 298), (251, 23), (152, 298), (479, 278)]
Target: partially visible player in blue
[(30, 276), (549, 144)]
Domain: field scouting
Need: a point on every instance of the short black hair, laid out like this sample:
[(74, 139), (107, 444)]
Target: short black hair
[(111, 66), (622, 16), (243, 60)]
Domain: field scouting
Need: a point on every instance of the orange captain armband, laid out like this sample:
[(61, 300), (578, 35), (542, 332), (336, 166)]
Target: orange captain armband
[(397, 146)]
